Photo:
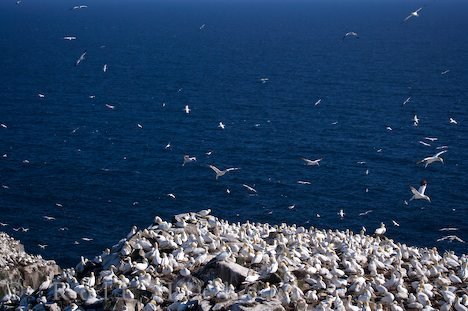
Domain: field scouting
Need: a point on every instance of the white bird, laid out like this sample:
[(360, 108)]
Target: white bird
[(419, 194), (187, 109), (304, 182), (264, 80), (168, 145), (431, 138), (381, 230), (435, 158), (139, 125), (110, 106), (453, 121), (80, 59), (415, 120), (341, 213), (292, 206), (43, 246), (41, 95), (49, 218), (4, 126), (172, 195), (202, 27), (221, 125), (389, 128), (395, 223), (352, 34), (318, 102), (249, 188), (312, 162), (104, 68), (365, 213), (220, 173), (188, 159), (445, 72), (77, 7), (413, 14), (424, 143), (69, 38), (86, 239), (451, 238), (406, 101)]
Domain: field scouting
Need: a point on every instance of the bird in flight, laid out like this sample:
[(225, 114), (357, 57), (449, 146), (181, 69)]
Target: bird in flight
[(406, 101), (395, 223), (318, 102), (43, 246), (80, 59), (49, 218), (311, 162), (220, 173), (435, 158), (69, 38), (413, 14), (415, 120), (350, 34), (249, 188), (221, 125), (104, 68), (187, 109), (77, 7), (188, 159), (453, 121), (419, 194)]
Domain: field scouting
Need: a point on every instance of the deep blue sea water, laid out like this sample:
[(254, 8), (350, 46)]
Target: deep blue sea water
[(96, 162)]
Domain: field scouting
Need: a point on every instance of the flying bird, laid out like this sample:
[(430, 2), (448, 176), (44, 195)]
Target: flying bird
[(77, 7), (220, 173), (445, 72), (453, 121), (249, 188), (451, 238), (264, 80), (104, 68), (395, 223), (311, 162), (41, 95), (413, 14), (80, 59), (49, 218), (419, 194), (415, 120), (4, 126), (435, 158), (43, 246), (406, 101), (110, 106), (188, 159), (351, 34), (69, 38), (221, 125), (202, 27), (187, 109), (424, 143), (318, 102), (171, 195)]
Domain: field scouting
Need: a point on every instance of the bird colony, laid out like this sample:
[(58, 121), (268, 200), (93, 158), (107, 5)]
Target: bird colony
[(200, 262)]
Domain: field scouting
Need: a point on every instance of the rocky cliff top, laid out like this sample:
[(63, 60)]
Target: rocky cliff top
[(200, 262)]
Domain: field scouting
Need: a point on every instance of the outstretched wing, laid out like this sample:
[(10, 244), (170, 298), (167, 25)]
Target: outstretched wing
[(439, 153), (232, 169), (414, 191), (422, 189), (215, 169)]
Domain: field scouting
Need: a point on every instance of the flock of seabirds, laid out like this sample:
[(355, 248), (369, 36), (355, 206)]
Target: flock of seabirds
[(302, 269)]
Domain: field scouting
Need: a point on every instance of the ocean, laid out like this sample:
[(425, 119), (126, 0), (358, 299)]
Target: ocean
[(259, 67)]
